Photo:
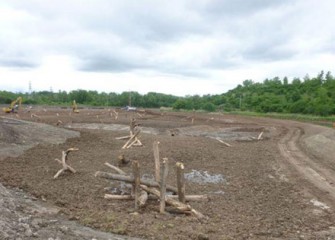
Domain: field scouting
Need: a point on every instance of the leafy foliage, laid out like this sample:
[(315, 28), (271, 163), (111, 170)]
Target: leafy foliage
[(314, 96)]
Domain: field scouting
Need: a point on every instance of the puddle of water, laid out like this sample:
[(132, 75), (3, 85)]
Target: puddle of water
[(203, 177), (199, 131), (219, 192), (110, 127)]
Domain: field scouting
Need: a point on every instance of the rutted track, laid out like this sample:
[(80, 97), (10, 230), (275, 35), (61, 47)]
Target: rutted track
[(310, 170)]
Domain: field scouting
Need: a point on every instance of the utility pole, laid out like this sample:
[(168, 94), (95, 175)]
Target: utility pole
[(129, 100)]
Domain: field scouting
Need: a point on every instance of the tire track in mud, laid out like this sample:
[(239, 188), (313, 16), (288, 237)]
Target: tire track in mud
[(311, 171)]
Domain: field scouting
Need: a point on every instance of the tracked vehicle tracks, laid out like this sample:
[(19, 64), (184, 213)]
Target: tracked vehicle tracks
[(314, 173)]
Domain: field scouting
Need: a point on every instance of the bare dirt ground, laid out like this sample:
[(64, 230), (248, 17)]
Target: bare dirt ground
[(278, 187)]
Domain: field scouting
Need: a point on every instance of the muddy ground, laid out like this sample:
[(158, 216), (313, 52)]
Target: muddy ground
[(280, 186)]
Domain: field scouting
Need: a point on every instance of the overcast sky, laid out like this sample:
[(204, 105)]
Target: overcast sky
[(180, 47)]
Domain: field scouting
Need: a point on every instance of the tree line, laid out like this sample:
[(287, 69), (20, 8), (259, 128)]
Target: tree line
[(314, 95)]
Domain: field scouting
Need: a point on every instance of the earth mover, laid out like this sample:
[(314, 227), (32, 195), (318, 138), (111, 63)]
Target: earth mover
[(14, 106)]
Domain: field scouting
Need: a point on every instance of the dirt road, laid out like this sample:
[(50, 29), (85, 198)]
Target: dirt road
[(276, 181)]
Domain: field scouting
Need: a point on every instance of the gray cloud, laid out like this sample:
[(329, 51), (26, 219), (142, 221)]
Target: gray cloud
[(121, 36), (17, 63), (109, 64), (228, 9)]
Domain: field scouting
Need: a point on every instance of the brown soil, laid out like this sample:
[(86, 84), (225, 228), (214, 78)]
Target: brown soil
[(278, 187)]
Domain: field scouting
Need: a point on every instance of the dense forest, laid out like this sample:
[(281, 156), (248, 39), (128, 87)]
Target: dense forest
[(314, 95)]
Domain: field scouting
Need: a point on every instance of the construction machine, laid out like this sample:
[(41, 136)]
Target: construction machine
[(74, 107), (14, 106)]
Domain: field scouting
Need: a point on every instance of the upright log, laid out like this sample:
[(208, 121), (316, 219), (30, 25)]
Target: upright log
[(136, 185), (157, 162), (180, 181), (165, 171)]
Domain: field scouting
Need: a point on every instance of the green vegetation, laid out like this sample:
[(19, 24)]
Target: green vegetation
[(307, 96)]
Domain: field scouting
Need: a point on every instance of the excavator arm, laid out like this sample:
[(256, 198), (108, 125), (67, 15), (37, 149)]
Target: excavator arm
[(74, 107), (15, 105)]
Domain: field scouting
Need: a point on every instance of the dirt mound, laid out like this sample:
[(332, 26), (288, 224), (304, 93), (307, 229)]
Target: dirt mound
[(16, 136)]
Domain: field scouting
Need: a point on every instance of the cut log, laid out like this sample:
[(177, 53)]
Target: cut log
[(260, 136), (174, 203), (180, 181), (136, 142), (118, 197), (115, 168), (227, 144), (188, 198), (157, 162), (165, 171), (131, 139), (35, 116), (142, 198), (129, 179), (116, 114), (122, 138)]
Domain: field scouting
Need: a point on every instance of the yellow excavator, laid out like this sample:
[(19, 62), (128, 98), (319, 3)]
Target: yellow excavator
[(14, 106), (74, 107)]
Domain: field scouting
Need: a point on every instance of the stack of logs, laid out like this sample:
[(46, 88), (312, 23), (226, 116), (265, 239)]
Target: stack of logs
[(143, 189), (133, 137)]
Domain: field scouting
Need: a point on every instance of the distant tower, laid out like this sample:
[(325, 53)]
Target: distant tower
[(30, 88), (51, 90), (129, 100)]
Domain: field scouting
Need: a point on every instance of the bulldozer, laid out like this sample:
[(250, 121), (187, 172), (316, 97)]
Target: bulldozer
[(14, 106), (74, 107)]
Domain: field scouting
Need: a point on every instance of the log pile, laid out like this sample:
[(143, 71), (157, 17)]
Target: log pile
[(144, 189)]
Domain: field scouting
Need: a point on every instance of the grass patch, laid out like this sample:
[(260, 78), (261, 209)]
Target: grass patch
[(320, 120)]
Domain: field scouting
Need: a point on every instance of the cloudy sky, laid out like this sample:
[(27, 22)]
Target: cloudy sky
[(179, 47)]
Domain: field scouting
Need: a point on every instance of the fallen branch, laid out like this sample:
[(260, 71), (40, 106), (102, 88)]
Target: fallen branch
[(35, 116), (63, 162)]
